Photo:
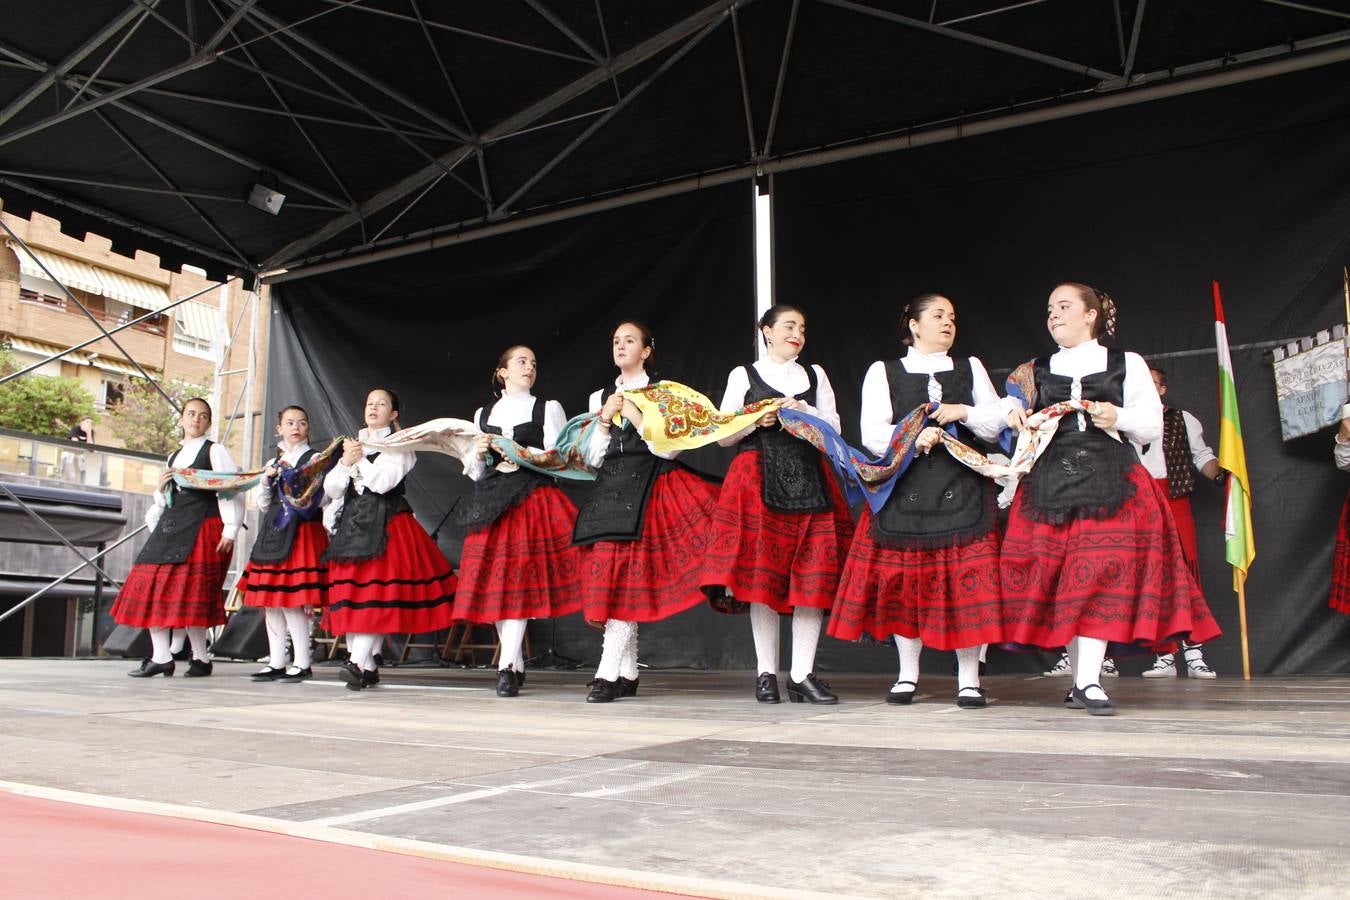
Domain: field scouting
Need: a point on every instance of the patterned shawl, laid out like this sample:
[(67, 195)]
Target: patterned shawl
[(676, 417), (455, 437), (301, 486)]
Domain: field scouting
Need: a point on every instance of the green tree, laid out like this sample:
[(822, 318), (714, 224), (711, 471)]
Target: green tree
[(40, 404), (144, 421)]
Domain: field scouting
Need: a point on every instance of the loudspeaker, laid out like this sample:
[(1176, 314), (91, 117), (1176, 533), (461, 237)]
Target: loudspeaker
[(127, 641), (244, 636)]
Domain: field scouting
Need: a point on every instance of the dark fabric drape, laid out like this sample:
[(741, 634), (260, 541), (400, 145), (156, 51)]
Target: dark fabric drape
[(1248, 185), (431, 327)]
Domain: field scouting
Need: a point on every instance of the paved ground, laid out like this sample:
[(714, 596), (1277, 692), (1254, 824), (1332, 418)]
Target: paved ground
[(1223, 789)]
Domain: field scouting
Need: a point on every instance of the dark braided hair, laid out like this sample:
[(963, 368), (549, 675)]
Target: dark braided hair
[(1099, 301)]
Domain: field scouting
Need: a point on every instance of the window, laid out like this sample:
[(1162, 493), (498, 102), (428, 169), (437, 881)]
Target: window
[(30, 296), (111, 393)]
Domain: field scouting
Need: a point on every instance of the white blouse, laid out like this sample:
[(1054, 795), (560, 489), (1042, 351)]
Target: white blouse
[(1140, 418), (380, 476), (985, 418), (512, 410), (231, 511), (791, 379)]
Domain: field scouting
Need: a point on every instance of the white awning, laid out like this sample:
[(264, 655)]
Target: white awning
[(44, 350), (116, 365), (133, 291), (196, 320), (74, 273), (70, 272)]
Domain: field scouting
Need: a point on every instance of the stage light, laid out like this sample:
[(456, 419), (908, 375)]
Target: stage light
[(266, 198)]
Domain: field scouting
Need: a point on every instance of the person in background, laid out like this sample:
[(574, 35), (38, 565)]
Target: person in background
[(1340, 566), (1173, 463)]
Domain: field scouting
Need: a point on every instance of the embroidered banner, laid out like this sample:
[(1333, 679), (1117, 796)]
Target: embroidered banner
[(1310, 382)]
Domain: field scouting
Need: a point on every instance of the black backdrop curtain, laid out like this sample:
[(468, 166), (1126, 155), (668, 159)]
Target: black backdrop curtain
[(431, 327), (1248, 185)]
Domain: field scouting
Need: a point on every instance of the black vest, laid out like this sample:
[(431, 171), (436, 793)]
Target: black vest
[(1083, 471), (497, 491), (275, 541), (363, 525), (615, 508), (173, 537), (937, 502), (789, 468)]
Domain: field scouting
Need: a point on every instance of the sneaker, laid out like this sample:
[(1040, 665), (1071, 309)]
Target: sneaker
[(1196, 666), (1109, 669), (1164, 666), (1061, 667)]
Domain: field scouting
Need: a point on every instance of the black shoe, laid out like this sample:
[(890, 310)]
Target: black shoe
[(1071, 702), (766, 688), (602, 691), (296, 677), (627, 687), (268, 674), (902, 698), (370, 677), (1094, 707), (520, 678), (198, 668), (965, 701), (150, 669), (508, 683), (351, 673), (183, 655), (810, 689)]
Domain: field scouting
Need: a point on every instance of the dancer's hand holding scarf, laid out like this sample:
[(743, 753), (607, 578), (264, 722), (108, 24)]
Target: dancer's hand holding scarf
[(301, 486), (455, 437)]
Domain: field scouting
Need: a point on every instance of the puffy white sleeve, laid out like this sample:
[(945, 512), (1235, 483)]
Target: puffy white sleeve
[(388, 469), (554, 420), (1141, 415), (878, 418), (825, 406), (154, 511), (474, 467), (733, 398), (1201, 453), (335, 482), (989, 413), (231, 510), (1340, 452)]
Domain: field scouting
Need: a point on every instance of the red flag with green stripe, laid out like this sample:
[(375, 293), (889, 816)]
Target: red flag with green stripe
[(1239, 545)]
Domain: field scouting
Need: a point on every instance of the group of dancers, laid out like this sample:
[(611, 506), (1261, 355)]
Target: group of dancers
[(1089, 559)]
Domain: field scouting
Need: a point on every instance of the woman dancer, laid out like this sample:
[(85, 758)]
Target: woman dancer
[(641, 529), (518, 561), (284, 575), (925, 569), (179, 573), (1091, 555), (385, 575), (781, 528)]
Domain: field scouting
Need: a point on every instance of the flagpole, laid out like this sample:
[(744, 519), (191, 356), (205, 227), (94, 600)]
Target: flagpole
[(1242, 627)]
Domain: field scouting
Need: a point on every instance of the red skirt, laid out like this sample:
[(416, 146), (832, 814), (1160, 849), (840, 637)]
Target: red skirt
[(657, 575), (779, 559), (409, 590), (948, 597), (1340, 563), (177, 595), (522, 566), (1185, 519), (298, 580), (1123, 579)]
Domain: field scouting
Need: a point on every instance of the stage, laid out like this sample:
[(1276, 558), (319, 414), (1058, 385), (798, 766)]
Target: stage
[(1219, 788)]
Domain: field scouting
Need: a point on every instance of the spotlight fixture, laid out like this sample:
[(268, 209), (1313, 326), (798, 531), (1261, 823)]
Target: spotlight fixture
[(265, 196)]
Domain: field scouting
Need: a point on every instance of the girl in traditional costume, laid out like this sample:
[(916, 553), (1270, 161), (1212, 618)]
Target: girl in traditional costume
[(518, 561), (641, 528), (925, 569), (284, 575), (180, 572), (385, 574), (1091, 558), (781, 529)]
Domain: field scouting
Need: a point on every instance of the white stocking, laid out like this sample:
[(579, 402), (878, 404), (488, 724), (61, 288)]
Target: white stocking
[(967, 668), (178, 641), (274, 617), (511, 638), (984, 653), (1087, 668), (628, 667), (764, 626), (197, 636), (361, 649), (160, 651), (910, 649), (617, 632), (297, 623), (806, 621)]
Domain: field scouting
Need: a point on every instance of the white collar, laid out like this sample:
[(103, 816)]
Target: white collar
[(1089, 346), (195, 444), (915, 353), (769, 361), (639, 380), (368, 433), (298, 448)]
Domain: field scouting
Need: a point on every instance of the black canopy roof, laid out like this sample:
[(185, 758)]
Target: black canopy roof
[(385, 122)]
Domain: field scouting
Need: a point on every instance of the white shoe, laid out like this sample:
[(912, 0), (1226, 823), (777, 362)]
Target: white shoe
[(1061, 667), (1109, 668), (1164, 666), (1196, 666)]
